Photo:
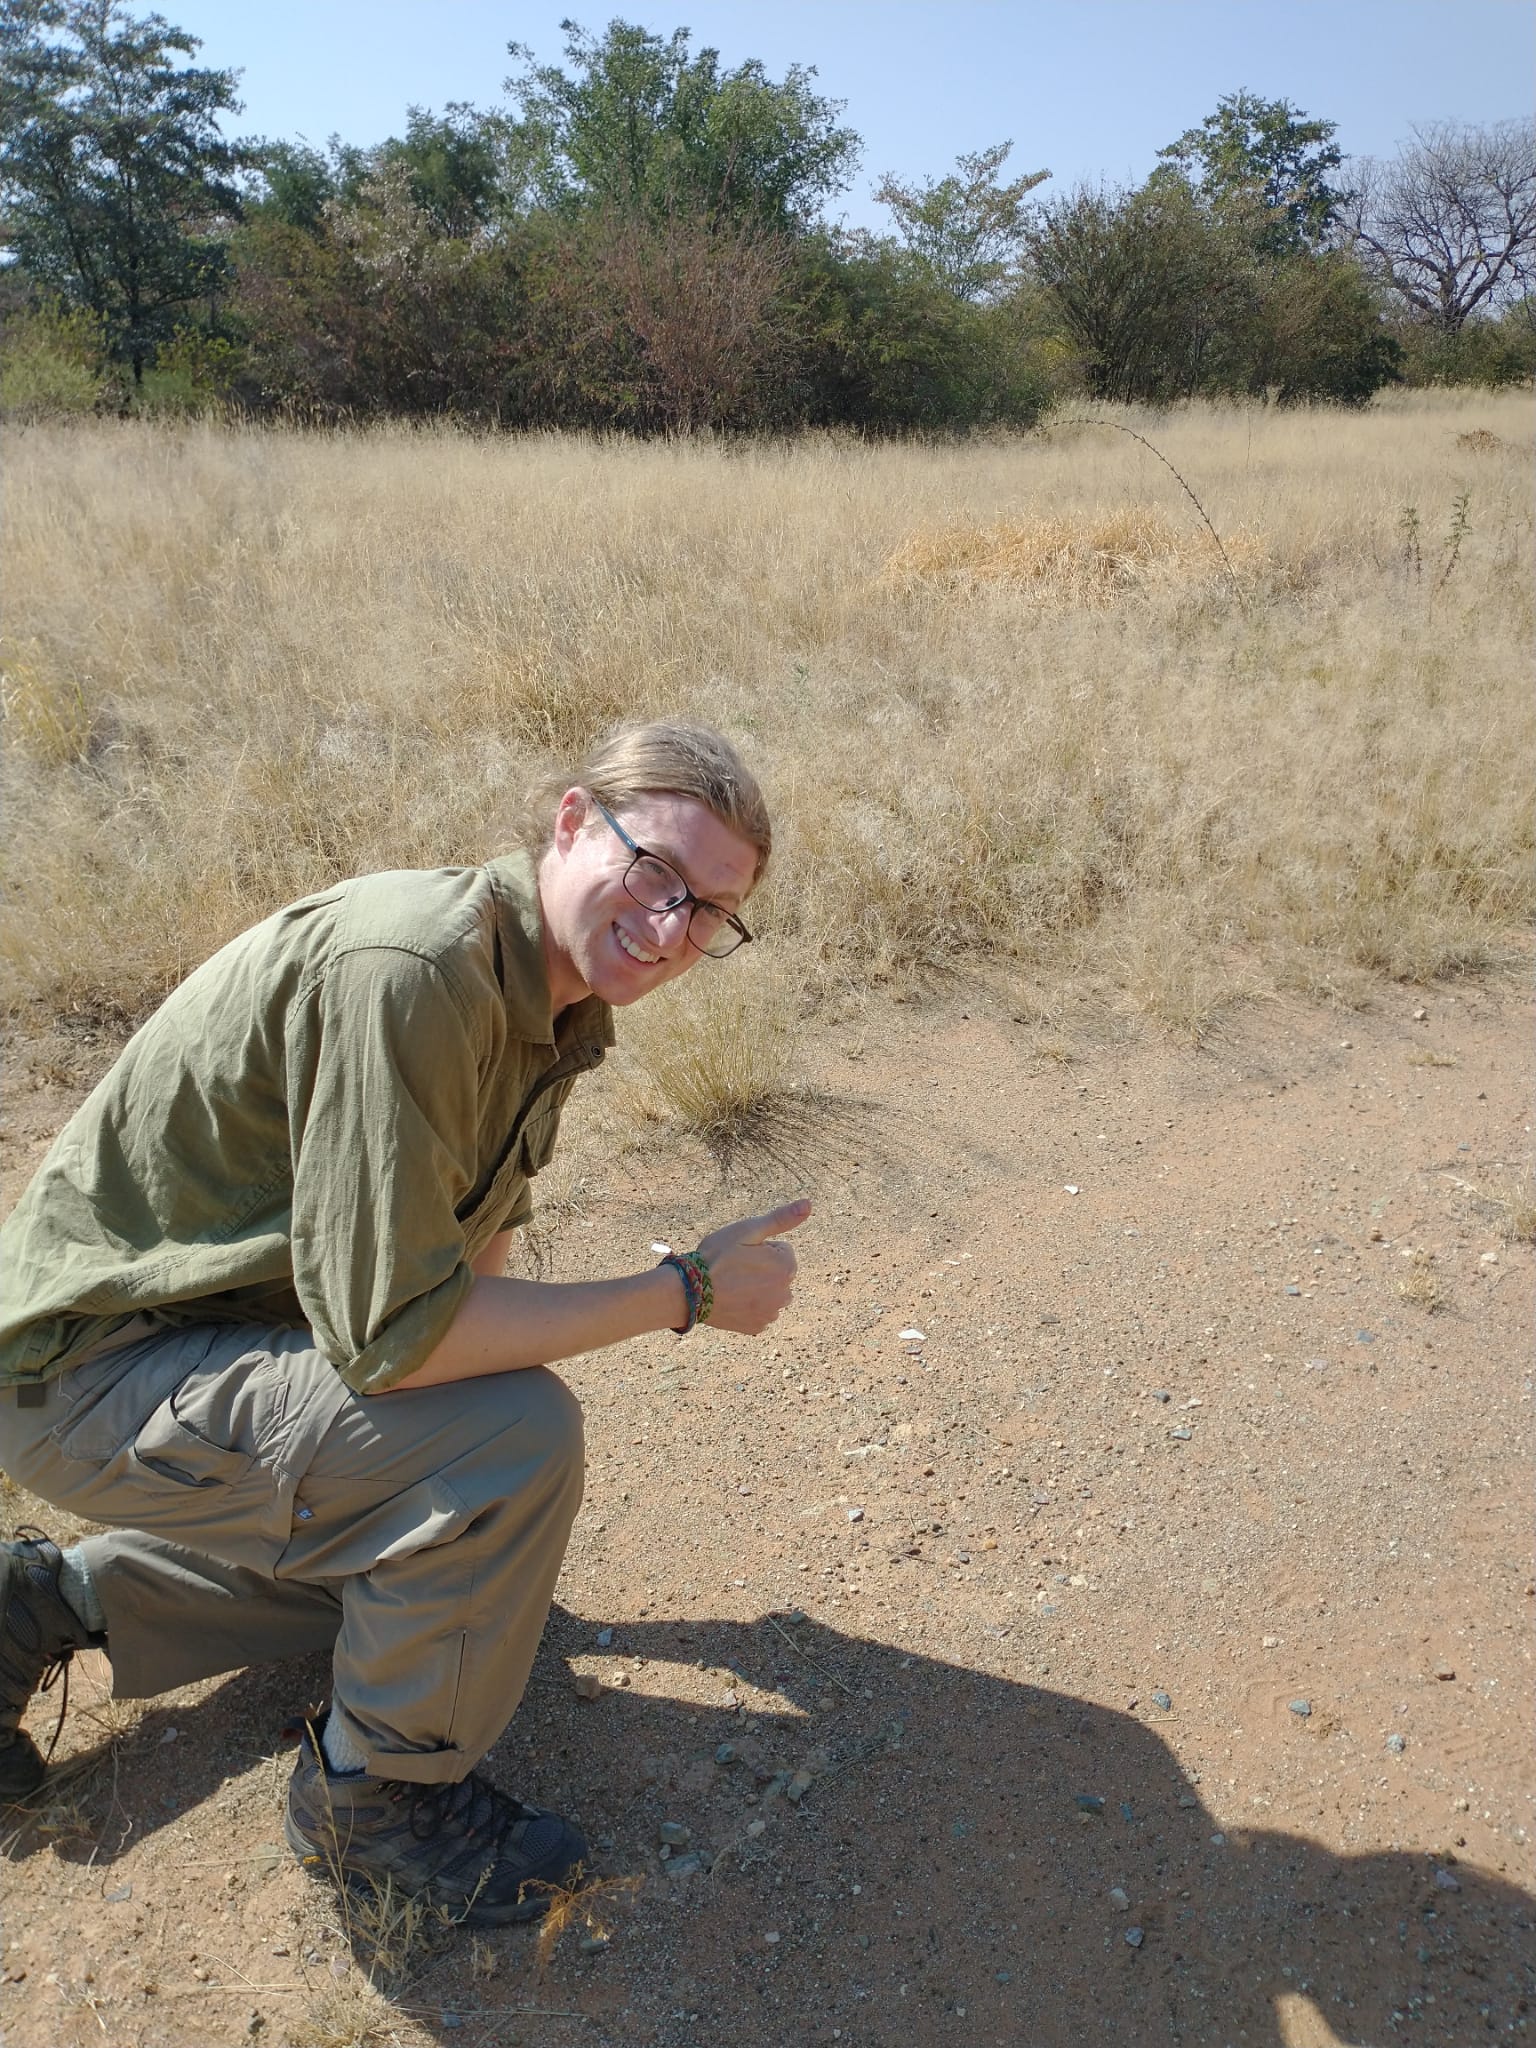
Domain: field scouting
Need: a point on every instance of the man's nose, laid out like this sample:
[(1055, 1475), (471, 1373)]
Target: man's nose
[(670, 925)]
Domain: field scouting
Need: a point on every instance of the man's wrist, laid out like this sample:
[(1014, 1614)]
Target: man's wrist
[(676, 1308)]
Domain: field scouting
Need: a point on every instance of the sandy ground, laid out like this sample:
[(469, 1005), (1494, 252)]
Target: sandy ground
[(1140, 1655)]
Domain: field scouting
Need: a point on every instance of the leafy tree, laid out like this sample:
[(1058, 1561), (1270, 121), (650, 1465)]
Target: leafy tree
[(1269, 154), (639, 124), (1314, 333), (1143, 284), (115, 180), (1450, 225), (378, 311), (967, 227), (886, 347), (295, 184), (1164, 298)]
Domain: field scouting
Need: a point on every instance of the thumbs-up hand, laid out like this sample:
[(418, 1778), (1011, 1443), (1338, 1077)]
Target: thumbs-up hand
[(752, 1273)]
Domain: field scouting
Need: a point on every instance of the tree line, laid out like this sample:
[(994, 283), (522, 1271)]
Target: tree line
[(638, 239)]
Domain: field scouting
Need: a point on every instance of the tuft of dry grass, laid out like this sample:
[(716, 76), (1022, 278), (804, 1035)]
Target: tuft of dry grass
[(1005, 704), (351, 2014), (1516, 1200), (1077, 559), (712, 1056), (1423, 1287)]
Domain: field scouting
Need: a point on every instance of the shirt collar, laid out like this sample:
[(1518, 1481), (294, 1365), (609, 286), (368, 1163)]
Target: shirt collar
[(524, 976)]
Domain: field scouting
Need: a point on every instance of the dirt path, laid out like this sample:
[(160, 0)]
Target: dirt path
[(1143, 1654)]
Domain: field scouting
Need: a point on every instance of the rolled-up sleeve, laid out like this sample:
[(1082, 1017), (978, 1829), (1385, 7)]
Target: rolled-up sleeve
[(382, 1096)]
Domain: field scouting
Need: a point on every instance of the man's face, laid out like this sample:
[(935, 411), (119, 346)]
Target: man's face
[(597, 939)]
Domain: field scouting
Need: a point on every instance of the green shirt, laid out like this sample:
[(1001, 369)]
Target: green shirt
[(323, 1126)]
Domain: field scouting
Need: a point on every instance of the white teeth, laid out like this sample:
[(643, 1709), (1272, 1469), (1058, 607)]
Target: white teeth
[(634, 952)]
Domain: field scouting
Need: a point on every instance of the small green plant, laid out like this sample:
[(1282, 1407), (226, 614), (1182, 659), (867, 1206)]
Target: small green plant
[(1456, 533), (1409, 527)]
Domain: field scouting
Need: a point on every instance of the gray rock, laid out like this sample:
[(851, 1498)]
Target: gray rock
[(1445, 1882), (726, 1753), (604, 1638), (1159, 1394), (1397, 1744), (1161, 1699), (1183, 1434), (686, 1866), (674, 1835), (1134, 1937), (592, 1944), (1301, 1709)]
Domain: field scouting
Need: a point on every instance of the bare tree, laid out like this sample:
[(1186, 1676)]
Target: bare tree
[(1450, 223)]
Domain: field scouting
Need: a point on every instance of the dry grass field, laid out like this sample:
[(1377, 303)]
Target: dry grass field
[(1012, 704)]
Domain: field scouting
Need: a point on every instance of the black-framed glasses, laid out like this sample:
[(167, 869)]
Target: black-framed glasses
[(656, 885)]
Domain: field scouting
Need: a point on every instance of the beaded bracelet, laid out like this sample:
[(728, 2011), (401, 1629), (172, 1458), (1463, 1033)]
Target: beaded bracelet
[(697, 1285)]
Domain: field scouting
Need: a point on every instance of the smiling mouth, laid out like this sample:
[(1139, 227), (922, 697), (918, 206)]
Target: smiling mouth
[(635, 952)]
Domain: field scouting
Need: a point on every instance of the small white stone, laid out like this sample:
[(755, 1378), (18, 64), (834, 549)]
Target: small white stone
[(770, 1937)]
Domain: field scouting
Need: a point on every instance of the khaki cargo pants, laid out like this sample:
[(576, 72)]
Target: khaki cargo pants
[(262, 1509)]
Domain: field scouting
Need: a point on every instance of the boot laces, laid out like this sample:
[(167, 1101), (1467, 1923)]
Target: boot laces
[(471, 1807)]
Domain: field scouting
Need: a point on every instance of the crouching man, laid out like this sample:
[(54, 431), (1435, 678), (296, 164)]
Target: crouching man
[(254, 1314)]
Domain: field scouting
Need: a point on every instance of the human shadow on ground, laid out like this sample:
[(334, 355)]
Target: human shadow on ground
[(992, 1828)]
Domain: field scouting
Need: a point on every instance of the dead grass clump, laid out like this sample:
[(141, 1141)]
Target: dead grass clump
[(713, 1056), (1516, 1200), (351, 2014), (1422, 1286), (1072, 559), (584, 1905), (1480, 442)]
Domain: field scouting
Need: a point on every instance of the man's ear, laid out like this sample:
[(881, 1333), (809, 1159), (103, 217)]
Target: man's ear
[(570, 816)]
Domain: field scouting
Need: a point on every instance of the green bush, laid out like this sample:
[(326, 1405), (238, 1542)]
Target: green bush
[(53, 364), (1489, 353), (192, 374)]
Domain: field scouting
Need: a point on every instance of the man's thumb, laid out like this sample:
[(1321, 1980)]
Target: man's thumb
[(789, 1217)]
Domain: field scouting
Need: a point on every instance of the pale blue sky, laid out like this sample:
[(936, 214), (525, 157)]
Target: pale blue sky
[(1086, 88)]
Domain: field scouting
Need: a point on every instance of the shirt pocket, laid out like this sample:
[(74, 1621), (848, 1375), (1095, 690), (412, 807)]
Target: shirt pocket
[(537, 1140)]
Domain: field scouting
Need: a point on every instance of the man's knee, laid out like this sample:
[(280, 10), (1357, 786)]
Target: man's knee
[(542, 1431)]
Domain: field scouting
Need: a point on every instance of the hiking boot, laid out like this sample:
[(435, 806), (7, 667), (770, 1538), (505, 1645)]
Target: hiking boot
[(39, 1633), (485, 1858)]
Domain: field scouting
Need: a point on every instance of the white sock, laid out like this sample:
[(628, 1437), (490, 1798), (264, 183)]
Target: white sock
[(79, 1591), (342, 1754)]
